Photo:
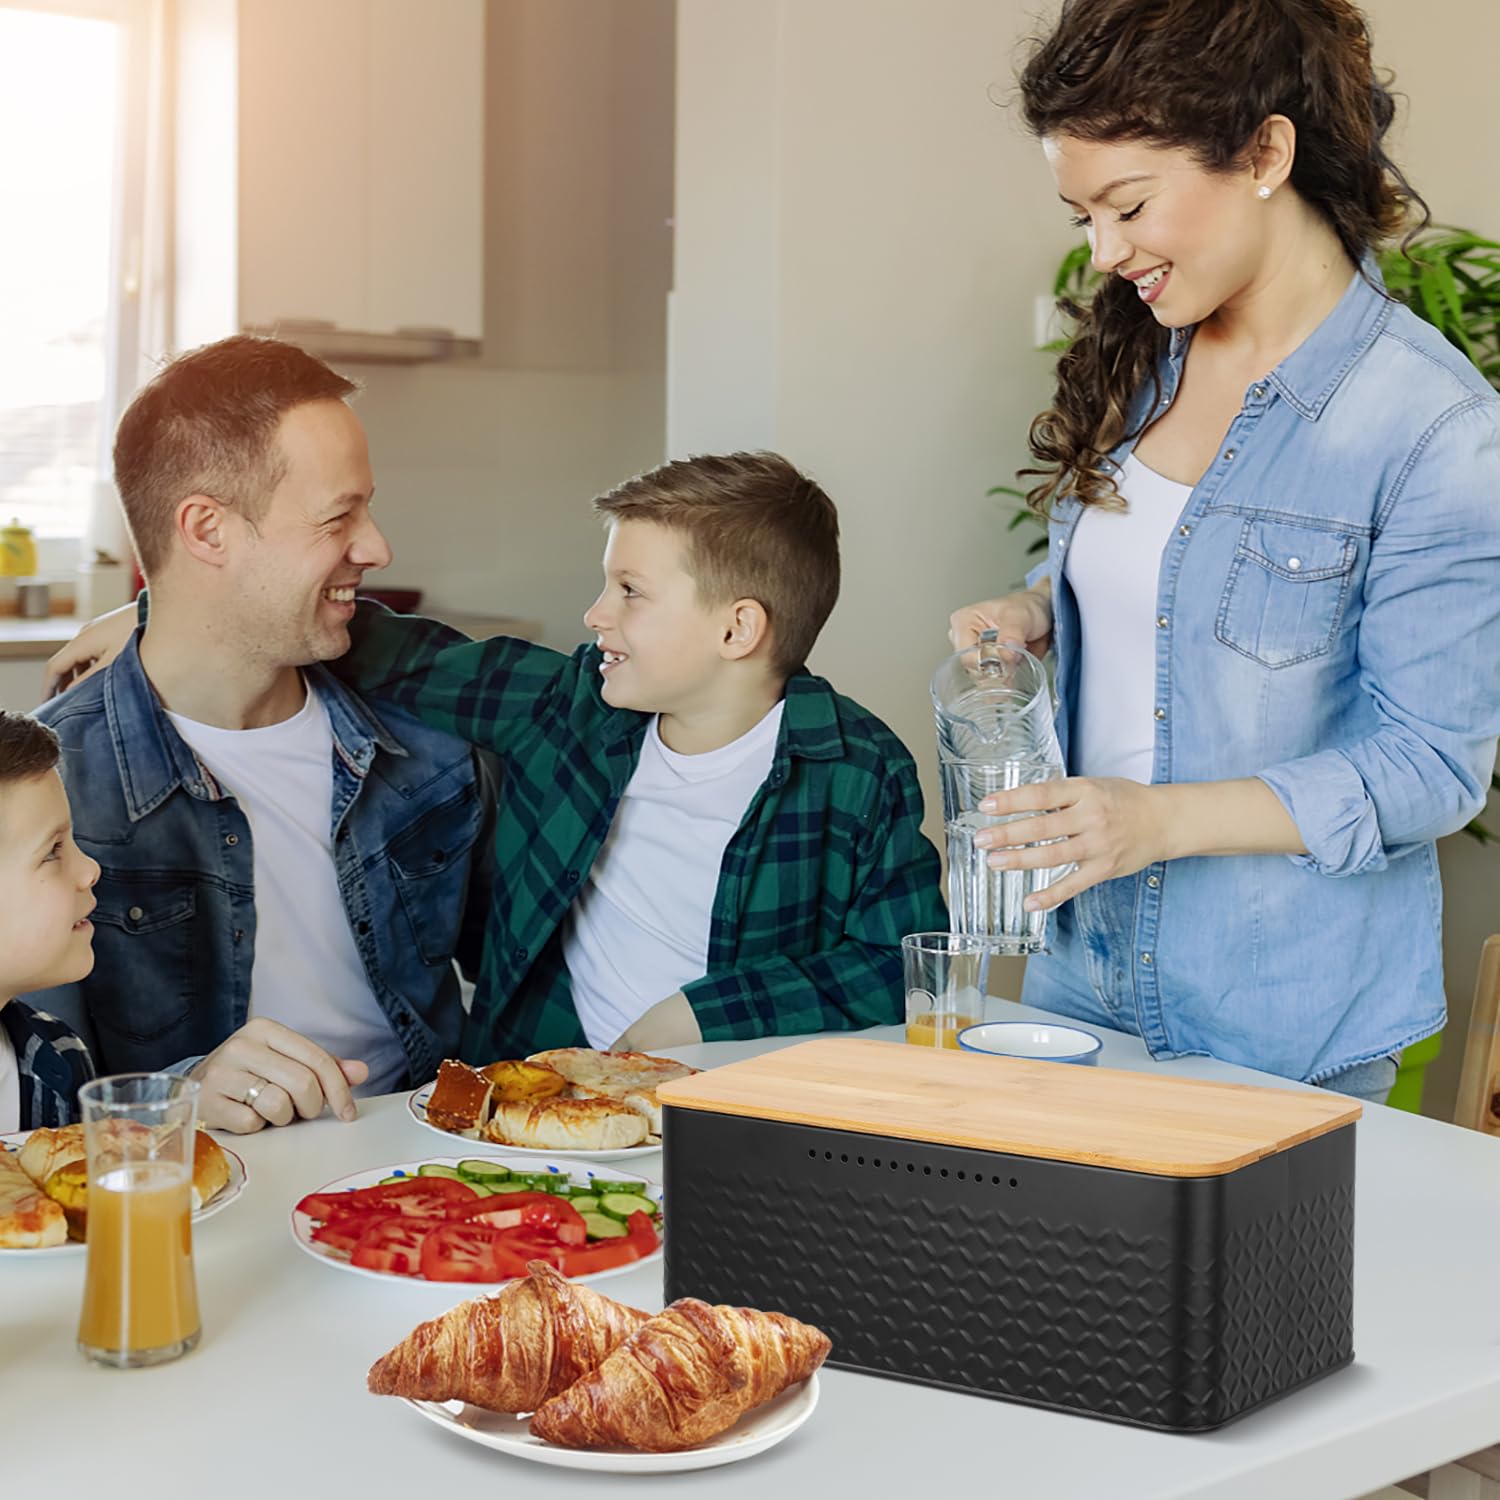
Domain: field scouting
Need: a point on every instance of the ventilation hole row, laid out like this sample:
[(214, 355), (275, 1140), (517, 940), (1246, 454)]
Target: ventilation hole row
[(895, 1166)]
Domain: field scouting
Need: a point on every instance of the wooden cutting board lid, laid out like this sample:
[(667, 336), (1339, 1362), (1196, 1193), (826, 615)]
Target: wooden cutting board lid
[(1137, 1122)]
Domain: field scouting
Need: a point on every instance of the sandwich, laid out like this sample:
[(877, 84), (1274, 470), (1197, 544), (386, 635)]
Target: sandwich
[(56, 1161)]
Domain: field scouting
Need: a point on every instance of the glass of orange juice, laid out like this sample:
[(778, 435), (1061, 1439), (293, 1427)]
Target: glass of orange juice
[(140, 1300), (944, 974)]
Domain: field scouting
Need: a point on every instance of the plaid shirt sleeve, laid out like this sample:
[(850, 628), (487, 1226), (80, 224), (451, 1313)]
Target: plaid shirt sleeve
[(53, 1064), (856, 982), (485, 692)]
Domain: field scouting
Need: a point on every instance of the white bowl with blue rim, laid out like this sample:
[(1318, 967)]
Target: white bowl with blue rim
[(1040, 1040)]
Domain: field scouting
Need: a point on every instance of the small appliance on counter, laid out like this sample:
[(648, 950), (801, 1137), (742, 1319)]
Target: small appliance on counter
[(1151, 1250)]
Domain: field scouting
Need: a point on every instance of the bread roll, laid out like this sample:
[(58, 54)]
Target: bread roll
[(567, 1125)]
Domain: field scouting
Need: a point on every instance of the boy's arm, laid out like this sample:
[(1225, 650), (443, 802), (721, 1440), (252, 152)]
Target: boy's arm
[(485, 692), (857, 982)]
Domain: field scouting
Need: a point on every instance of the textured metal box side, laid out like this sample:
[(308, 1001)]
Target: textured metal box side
[(1057, 1284)]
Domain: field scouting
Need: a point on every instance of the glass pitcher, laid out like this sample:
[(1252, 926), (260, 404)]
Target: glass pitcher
[(995, 731)]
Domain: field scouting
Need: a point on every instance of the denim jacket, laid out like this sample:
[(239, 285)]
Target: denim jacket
[(174, 929), (1328, 620)]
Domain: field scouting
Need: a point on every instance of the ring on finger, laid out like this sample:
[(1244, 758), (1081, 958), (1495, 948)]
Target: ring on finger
[(256, 1089)]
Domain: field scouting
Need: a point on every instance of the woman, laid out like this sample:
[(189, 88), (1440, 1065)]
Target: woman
[(1273, 580)]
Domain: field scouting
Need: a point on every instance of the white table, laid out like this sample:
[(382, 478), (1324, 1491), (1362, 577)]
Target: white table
[(274, 1398)]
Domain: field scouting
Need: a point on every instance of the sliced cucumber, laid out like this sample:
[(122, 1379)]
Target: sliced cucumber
[(499, 1189), (483, 1171), (601, 1227), (585, 1203), (602, 1185), (622, 1205), (436, 1169), (399, 1177)]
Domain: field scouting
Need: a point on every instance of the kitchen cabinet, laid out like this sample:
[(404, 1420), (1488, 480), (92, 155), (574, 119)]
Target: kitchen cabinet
[(352, 132)]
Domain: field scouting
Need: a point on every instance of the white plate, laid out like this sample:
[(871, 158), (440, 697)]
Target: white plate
[(417, 1103), (302, 1226), (239, 1175), (754, 1432)]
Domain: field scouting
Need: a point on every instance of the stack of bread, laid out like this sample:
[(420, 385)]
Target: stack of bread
[(597, 1374), (52, 1167), (567, 1099)]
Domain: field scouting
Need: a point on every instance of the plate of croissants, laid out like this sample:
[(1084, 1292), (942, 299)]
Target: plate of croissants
[(572, 1102), (556, 1373), (44, 1188)]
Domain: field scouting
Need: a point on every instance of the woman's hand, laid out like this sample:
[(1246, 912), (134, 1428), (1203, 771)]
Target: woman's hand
[(91, 650), (1108, 826), (1025, 617)]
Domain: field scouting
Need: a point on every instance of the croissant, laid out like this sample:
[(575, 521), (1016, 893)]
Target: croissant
[(683, 1377), (511, 1352)]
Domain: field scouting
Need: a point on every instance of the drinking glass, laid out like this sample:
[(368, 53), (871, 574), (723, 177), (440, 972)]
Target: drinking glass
[(140, 1300), (944, 974), (992, 903)]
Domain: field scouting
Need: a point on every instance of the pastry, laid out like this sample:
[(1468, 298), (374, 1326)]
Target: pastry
[(566, 1125), (682, 1378), (29, 1220), (513, 1081), (460, 1099), (510, 1352), (630, 1078)]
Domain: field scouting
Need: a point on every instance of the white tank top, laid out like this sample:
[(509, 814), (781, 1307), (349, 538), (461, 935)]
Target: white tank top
[(1114, 565)]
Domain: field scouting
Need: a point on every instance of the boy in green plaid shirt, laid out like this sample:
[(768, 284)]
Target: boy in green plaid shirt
[(696, 838)]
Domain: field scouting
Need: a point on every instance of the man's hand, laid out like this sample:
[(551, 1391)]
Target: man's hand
[(671, 1023), (91, 650), (1024, 617), (268, 1074)]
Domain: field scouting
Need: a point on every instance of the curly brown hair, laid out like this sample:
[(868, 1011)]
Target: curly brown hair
[(1201, 75)]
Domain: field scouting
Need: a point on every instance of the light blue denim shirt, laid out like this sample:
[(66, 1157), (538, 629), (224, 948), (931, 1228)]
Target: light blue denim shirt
[(1328, 620)]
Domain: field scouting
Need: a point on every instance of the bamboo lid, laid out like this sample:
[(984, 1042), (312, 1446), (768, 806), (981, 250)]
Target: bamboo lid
[(1137, 1122)]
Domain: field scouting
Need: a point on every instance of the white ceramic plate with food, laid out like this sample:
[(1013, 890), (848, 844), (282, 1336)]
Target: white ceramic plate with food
[(754, 1432), (239, 1175), (303, 1226), (416, 1103)]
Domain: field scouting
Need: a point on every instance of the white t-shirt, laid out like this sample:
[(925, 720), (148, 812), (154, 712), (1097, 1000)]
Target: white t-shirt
[(307, 972), (1114, 564), (639, 929), (10, 1085)]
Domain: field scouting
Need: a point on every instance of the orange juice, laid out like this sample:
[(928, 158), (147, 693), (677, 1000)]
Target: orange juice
[(139, 1294), (931, 1029)]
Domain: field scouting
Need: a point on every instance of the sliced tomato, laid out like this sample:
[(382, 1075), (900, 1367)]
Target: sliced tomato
[(515, 1248), (414, 1190), (500, 1204), (459, 1251), (543, 1215), (641, 1241), (343, 1231), (393, 1245)]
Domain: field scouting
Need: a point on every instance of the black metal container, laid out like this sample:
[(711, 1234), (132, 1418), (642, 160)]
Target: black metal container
[(1169, 1301)]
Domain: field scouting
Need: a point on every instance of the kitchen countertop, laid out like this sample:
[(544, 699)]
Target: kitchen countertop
[(275, 1394)]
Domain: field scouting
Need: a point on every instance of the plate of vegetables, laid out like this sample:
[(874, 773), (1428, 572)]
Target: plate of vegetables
[(479, 1221)]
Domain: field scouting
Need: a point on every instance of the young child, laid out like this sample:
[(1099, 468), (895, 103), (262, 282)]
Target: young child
[(46, 938), (696, 839)]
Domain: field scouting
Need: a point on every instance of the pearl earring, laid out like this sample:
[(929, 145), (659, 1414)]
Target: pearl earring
[(1263, 192)]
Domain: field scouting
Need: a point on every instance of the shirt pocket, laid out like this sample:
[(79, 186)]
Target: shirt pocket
[(1286, 592), (144, 942), (430, 868)]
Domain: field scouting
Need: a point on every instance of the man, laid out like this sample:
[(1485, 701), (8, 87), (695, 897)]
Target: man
[(284, 873)]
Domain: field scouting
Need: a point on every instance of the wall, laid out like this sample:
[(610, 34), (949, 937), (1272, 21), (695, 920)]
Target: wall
[(861, 232), (484, 469)]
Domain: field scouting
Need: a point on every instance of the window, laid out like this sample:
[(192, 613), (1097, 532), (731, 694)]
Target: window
[(66, 151)]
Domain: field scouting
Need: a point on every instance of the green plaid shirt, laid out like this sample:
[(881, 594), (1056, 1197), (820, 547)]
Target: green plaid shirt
[(827, 871)]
